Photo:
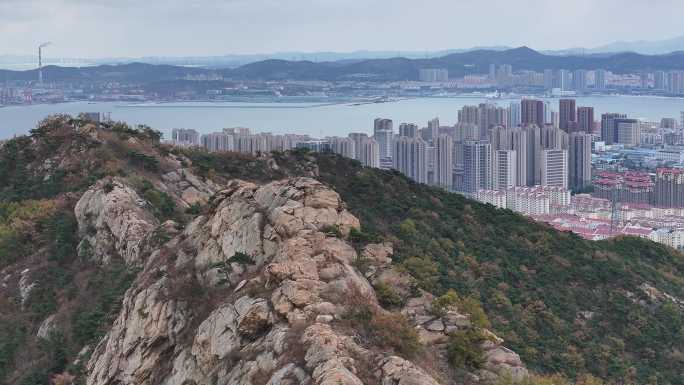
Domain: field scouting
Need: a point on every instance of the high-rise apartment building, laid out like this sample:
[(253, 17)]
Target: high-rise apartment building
[(433, 75), (432, 130), (579, 158), (562, 79), (491, 115), (492, 72), (409, 130), (369, 152), (669, 187), (343, 146), (554, 168), (514, 114), (410, 158), (668, 123), (504, 74), (466, 131), (579, 78), (505, 166), (185, 137), (469, 114), (538, 140), (218, 141), (675, 83), (660, 80), (383, 133), (444, 162), (358, 137), (532, 112), (548, 79), (568, 114), (477, 165), (628, 132), (512, 139), (608, 128), (600, 79), (585, 119), (485, 116)]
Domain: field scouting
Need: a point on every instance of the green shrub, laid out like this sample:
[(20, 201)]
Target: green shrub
[(333, 231), (464, 349), (361, 237), (63, 229), (54, 347), (241, 258), (163, 205), (194, 209), (441, 304), (11, 338), (385, 330), (388, 296), (471, 306), (37, 376), (94, 315)]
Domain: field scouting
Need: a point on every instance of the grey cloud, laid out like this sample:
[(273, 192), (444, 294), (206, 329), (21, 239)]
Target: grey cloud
[(88, 28)]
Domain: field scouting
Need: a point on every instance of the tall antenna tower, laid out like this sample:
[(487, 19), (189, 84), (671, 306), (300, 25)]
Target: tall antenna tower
[(40, 61)]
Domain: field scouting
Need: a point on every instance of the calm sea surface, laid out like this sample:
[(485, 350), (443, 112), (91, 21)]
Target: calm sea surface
[(308, 118)]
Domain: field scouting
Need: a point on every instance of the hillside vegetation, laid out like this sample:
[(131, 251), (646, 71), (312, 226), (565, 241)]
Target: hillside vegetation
[(569, 307), (565, 304)]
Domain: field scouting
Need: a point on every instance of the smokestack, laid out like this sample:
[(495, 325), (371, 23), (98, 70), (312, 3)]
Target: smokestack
[(40, 61)]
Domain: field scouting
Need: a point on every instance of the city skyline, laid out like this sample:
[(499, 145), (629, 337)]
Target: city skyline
[(157, 28), (583, 177)]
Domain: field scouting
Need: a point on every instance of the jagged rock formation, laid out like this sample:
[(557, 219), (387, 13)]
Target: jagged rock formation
[(112, 220), (279, 302), (188, 187), (249, 293)]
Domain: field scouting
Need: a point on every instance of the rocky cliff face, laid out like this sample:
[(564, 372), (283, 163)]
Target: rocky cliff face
[(112, 220), (253, 291)]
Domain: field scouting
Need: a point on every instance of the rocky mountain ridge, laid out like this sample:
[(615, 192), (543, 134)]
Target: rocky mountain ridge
[(123, 260), (290, 295)]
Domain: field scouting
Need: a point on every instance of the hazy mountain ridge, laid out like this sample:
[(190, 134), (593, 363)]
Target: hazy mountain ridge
[(653, 47), (458, 64)]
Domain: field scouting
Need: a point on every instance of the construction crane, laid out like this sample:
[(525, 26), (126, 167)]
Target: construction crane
[(40, 61)]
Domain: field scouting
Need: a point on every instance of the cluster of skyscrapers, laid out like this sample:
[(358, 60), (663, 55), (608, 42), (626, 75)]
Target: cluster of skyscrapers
[(490, 148)]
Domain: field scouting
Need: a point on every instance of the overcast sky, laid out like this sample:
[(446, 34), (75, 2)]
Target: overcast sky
[(133, 28)]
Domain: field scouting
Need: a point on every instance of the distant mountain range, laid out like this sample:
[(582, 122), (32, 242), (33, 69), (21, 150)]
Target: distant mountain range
[(644, 47), (19, 62), (398, 68), (23, 62)]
